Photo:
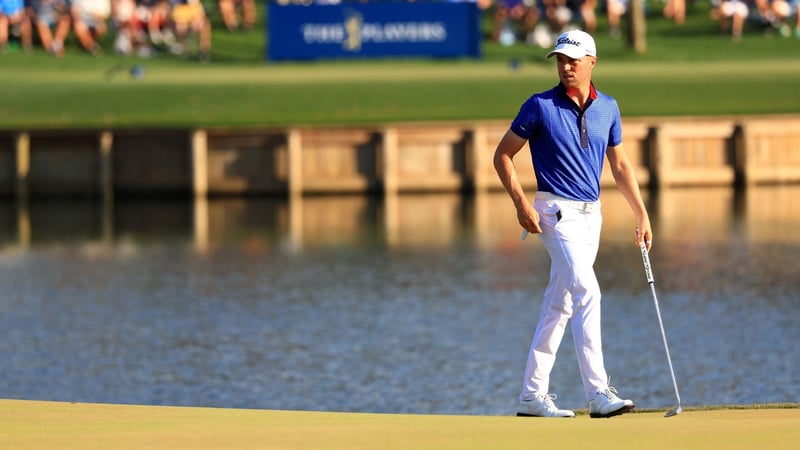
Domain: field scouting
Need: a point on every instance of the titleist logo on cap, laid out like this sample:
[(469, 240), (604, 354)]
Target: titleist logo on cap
[(568, 41)]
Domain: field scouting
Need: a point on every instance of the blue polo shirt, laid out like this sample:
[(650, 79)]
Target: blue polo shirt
[(568, 145)]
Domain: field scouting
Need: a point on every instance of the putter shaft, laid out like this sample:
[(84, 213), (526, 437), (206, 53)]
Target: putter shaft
[(650, 280)]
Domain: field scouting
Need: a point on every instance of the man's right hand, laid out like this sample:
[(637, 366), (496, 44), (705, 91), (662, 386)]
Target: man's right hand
[(528, 218)]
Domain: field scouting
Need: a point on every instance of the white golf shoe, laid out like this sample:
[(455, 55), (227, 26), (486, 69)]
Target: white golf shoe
[(606, 404), (542, 405)]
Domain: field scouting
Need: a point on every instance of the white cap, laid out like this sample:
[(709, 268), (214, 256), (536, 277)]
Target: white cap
[(576, 44)]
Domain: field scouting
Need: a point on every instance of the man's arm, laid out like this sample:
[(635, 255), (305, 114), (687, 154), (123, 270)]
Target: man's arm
[(509, 146), (625, 178)]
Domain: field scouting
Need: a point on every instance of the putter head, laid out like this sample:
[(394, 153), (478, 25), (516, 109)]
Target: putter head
[(673, 412)]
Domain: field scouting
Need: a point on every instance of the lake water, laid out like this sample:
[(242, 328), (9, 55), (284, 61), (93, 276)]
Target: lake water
[(407, 304)]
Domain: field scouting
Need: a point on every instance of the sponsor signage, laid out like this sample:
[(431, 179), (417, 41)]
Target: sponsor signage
[(374, 29)]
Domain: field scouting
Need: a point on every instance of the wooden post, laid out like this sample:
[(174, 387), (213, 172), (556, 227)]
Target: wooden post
[(22, 146), (106, 142), (741, 170), (199, 149), (660, 161), (389, 161), (295, 150), (478, 158)]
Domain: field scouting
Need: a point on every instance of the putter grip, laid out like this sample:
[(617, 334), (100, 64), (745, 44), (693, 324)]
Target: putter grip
[(646, 259)]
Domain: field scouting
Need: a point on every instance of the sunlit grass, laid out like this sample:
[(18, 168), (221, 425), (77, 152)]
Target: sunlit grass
[(689, 70)]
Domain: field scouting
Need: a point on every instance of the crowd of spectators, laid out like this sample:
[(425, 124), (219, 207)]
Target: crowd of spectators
[(538, 22), (136, 27), (146, 27)]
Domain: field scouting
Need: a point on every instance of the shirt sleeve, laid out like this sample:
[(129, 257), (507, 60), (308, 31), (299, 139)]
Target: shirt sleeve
[(615, 132), (524, 124)]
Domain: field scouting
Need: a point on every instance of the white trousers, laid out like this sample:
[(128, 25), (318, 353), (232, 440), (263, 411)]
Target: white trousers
[(571, 235)]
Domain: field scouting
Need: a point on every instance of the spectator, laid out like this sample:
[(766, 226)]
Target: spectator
[(585, 10), (89, 22), (127, 26), (156, 15), (794, 10), (615, 9), (778, 13), (238, 12), (189, 18), (556, 17), (731, 15), (562, 15), (52, 22), (14, 20), (675, 10), (512, 17)]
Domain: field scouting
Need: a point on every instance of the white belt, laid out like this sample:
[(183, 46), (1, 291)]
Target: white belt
[(584, 207)]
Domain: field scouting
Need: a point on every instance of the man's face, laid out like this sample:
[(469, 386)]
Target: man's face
[(575, 73)]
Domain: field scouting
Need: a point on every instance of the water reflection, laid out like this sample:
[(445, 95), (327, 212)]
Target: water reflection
[(697, 216), (413, 303)]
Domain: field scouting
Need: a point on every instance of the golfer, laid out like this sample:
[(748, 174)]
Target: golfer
[(570, 129)]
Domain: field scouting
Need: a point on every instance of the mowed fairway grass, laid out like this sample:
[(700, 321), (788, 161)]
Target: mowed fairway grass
[(687, 71), (212, 95), (51, 425)]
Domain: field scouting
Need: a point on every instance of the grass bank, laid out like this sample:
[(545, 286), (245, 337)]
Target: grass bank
[(688, 70), (40, 425)]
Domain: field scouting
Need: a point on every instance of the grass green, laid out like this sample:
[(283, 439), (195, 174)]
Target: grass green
[(33, 424), (690, 70)]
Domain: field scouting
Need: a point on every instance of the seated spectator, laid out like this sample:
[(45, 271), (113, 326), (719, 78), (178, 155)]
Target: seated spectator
[(615, 9), (238, 12), (731, 15), (14, 20), (675, 10), (52, 22), (189, 18), (129, 21), (556, 17), (512, 18), (561, 15), (585, 10), (158, 24), (89, 22), (778, 13), (794, 10)]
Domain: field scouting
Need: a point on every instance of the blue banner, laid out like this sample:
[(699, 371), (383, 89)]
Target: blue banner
[(374, 29)]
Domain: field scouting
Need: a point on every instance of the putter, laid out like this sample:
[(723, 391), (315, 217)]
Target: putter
[(648, 271)]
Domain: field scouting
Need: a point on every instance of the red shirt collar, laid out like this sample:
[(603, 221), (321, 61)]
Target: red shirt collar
[(592, 91)]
